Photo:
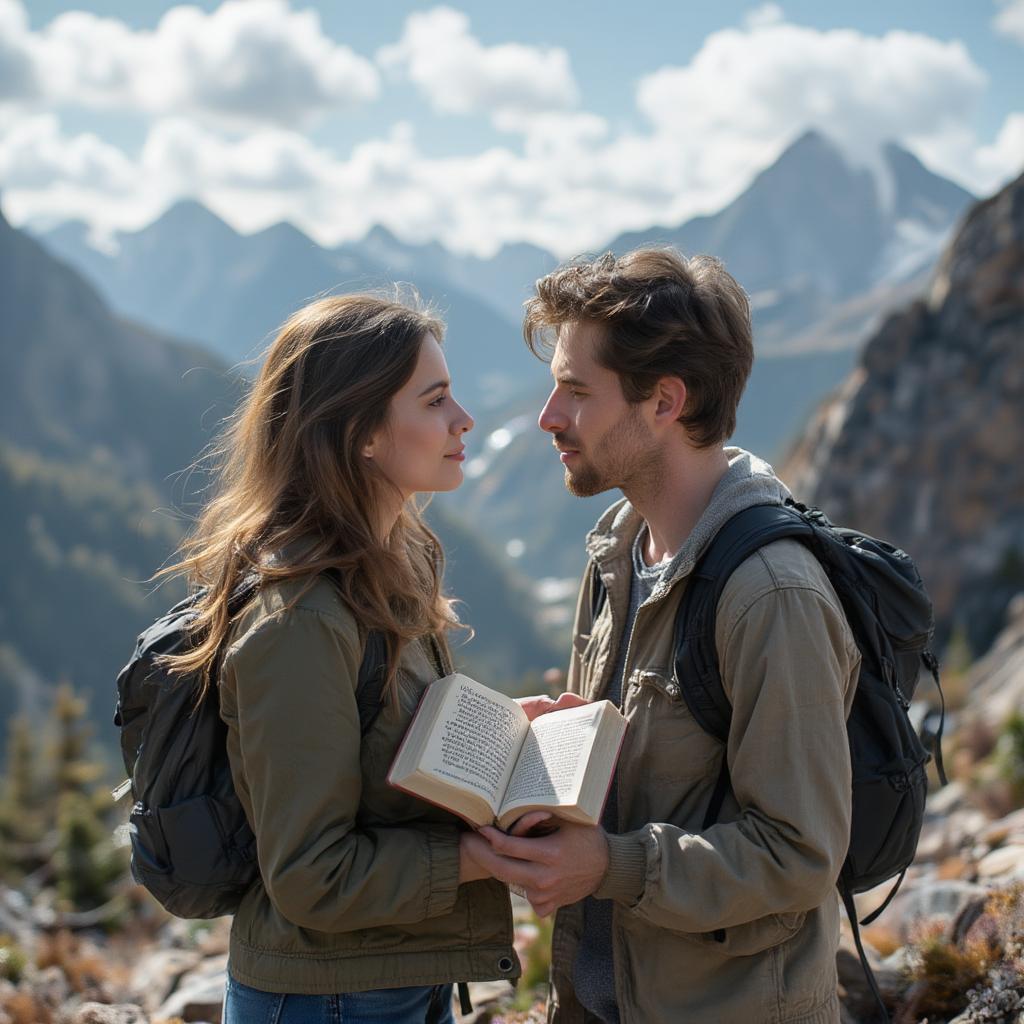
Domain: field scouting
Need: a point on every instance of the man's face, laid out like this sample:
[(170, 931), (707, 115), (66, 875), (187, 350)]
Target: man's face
[(602, 440)]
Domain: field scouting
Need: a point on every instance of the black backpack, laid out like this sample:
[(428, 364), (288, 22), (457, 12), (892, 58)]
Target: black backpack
[(191, 845), (890, 616)]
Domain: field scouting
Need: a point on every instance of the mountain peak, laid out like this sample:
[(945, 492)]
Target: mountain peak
[(920, 194), (284, 232), (380, 235), (190, 215), (811, 153)]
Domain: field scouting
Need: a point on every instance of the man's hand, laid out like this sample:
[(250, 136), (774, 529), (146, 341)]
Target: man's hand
[(537, 706), (553, 871)]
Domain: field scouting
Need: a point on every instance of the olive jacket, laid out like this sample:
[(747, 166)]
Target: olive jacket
[(764, 874), (358, 885)]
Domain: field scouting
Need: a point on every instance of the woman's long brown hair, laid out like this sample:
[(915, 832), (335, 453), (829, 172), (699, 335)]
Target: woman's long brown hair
[(289, 468)]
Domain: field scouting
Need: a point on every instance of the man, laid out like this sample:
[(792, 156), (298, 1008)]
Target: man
[(657, 919)]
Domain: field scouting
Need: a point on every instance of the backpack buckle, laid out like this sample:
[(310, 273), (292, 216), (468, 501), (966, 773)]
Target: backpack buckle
[(121, 790)]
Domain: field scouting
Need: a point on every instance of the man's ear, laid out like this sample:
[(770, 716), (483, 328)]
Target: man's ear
[(670, 393)]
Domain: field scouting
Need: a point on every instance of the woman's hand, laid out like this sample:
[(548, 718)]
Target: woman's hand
[(469, 869), (535, 823), (537, 706)]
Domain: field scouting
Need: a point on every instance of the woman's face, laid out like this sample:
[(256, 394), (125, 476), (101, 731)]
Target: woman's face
[(420, 447)]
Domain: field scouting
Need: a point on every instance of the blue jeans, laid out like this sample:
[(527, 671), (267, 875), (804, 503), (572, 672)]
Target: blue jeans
[(424, 1004)]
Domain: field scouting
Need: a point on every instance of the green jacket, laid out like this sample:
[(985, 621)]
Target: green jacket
[(765, 873), (358, 884)]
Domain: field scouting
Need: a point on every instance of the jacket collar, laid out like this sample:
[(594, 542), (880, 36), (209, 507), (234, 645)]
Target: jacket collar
[(748, 481)]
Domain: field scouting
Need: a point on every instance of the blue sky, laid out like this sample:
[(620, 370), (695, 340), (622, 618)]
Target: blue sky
[(480, 123)]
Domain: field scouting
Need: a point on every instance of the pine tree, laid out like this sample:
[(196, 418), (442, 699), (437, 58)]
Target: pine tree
[(21, 819), (85, 862), (74, 772)]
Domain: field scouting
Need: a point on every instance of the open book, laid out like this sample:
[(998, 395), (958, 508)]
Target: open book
[(474, 751)]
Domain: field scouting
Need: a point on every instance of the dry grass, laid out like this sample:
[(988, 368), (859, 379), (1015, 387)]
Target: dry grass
[(983, 972), (22, 1008), (86, 971)]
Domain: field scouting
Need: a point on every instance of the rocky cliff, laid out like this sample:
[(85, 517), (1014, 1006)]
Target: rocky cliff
[(922, 443)]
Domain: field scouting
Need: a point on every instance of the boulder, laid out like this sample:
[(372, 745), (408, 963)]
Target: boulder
[(929, 899), (1006, 863), (200, 993), (945, 836), (854, 991), (158, 973), (101, 1013)]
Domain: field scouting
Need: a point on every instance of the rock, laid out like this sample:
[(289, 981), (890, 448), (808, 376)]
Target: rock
[(200, 994), (899, 962), (944, 801), (855, 992), (1008, 829), (969, 914), (485, 997), (50, 987), (101, 1013), (1005, 863), (996, 682), (946, 836), (158, 974), (929, 900), (922, 447)]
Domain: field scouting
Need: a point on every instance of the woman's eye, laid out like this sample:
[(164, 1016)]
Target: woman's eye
[(439, 401)]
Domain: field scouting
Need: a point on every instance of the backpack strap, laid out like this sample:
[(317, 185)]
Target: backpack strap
[(851, 913), (932, 664), (695, 666), (372, 672), (598, 593)]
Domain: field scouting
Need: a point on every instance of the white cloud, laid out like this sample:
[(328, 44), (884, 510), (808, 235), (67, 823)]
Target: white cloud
[(1004, 158), (48, 177), (36, 156), (745, 89), (247, 61), (567, 179), (766, 14), (1010, 19), (458, 75), (188, 157), (17, 71)]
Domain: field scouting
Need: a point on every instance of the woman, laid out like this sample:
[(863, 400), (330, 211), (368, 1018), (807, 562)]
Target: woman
[(369, 906)]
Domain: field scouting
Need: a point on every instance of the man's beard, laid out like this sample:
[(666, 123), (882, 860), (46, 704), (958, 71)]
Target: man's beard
[(623, 454)]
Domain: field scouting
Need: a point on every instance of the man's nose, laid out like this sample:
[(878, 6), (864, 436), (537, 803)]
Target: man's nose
[(551, 418)]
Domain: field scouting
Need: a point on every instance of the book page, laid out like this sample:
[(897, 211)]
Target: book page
[(476, 741), (553, 757)]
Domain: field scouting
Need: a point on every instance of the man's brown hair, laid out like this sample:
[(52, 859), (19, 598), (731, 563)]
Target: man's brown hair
[(663, 316)]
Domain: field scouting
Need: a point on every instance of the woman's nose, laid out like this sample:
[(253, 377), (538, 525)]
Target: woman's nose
[(463, 422)]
